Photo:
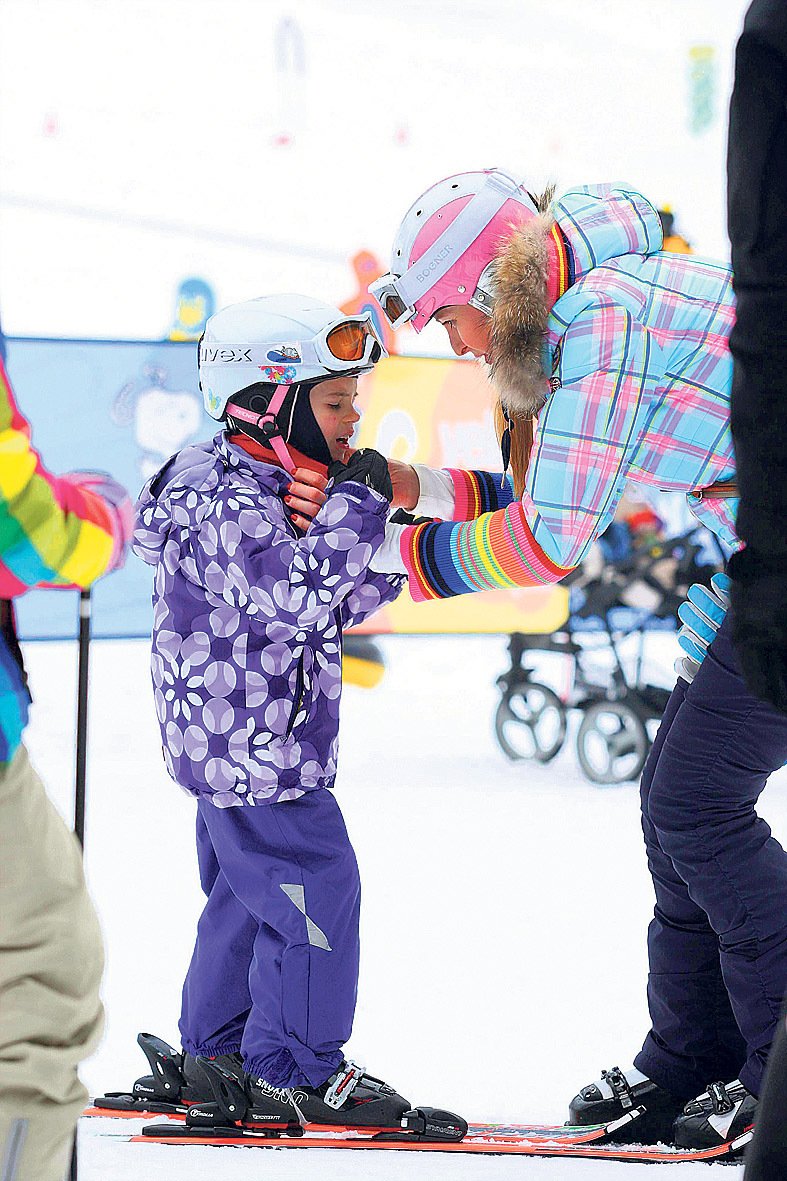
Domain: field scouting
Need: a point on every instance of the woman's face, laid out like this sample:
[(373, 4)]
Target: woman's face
[(469, 330), (333, 405)]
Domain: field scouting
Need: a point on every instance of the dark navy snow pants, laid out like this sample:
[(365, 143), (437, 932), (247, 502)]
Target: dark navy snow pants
[(718, 941), (274, 971)]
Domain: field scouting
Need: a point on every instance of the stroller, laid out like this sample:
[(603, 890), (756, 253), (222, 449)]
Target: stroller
[(626, 587)]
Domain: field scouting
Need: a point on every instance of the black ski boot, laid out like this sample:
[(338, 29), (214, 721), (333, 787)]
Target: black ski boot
[(718, 1115), (350, 1098), (618, 1093), (176, 1080)]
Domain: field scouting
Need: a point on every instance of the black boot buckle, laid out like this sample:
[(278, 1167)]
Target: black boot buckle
[(720, 1099), (620, 1087)]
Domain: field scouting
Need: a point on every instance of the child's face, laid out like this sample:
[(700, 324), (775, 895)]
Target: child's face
[(333, 405)]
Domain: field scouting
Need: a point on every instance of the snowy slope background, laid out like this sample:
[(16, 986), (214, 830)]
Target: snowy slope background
[(259, 145)]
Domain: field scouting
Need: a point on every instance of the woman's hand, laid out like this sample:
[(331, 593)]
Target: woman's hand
[(305, 496), (406, 487)]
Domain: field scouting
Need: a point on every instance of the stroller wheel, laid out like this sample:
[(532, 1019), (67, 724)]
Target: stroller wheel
[(612, 742), (530, 722)]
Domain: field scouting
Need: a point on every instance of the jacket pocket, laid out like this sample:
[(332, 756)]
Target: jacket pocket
[(297, 700)]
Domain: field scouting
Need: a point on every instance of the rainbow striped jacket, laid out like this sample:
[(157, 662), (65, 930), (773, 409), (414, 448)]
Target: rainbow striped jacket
[(637, 347), (54, 531)]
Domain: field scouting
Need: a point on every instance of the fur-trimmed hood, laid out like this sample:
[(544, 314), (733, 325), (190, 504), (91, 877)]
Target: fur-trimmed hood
[(598, 223)]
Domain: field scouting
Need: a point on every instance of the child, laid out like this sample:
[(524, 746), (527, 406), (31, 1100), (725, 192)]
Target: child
[(246, 662)]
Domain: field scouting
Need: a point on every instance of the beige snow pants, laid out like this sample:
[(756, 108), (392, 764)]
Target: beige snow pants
[(51, 960)]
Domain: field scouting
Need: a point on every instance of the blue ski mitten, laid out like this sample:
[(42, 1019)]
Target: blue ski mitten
[(701, 617)]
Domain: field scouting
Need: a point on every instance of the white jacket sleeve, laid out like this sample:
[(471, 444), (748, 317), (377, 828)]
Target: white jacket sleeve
[(436, 498), (388, 558)]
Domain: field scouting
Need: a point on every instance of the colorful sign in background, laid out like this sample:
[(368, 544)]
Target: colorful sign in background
[(126, 406)]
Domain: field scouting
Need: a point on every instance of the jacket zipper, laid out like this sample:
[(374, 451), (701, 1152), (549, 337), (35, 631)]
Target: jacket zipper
[(298, 700)]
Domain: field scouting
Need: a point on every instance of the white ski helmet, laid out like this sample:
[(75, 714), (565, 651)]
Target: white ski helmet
[(281, 340), (445, 248)]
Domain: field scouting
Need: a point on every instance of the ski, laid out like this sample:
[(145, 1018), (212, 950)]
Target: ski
[(419, 1126), (566, 1133), (418, 1131), (487, 1139)]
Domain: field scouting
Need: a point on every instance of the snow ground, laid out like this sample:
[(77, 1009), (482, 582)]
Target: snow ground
[(504, 907)]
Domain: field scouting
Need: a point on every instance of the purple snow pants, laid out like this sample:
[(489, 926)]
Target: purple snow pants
[(274, 971), (718, 941)]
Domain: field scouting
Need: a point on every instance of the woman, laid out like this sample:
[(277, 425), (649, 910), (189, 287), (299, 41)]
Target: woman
[(611, 363)]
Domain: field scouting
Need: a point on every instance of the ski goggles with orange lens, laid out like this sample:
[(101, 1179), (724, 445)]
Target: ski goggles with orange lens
[(353, 340), (350, 343)]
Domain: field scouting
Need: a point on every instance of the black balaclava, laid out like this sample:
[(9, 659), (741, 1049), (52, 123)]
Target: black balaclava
[(296, 419), (305, 434)]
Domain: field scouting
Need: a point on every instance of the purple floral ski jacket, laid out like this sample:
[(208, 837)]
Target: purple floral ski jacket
[(247, 621)]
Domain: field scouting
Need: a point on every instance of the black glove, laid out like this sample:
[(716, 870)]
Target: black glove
[(366, 466), (402, 517), (759, 605)]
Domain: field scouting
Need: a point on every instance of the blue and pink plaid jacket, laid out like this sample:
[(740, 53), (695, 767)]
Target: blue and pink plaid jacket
[(641, 377)]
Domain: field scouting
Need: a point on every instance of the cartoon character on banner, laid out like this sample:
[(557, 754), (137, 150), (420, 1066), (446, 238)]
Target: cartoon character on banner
[(164, 420), (194, 303), (367, 268)]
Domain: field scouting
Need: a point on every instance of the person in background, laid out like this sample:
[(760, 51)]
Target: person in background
[(757, 217), (674, 242), (64, 531)]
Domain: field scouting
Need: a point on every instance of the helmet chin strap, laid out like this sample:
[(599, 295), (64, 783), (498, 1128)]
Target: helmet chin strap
[(266, 424)]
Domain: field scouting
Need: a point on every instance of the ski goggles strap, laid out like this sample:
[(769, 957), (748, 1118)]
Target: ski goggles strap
[(267, 425)]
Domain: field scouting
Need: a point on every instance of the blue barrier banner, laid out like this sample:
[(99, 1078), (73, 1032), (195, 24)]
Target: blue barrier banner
[(121, 407), (125, 407)]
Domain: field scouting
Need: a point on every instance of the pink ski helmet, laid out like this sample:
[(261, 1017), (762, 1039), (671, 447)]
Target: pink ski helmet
[(445, 248)]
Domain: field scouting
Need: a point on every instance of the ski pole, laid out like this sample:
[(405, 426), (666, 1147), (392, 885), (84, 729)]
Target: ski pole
[(85, 609), (83, 671)]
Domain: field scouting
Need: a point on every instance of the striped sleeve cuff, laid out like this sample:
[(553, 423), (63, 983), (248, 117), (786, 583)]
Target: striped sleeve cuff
[(479, 492), (496, 551)]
